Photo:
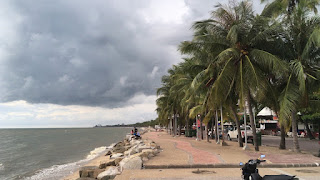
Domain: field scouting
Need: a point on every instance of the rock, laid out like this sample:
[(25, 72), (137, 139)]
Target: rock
[(129, 137), (135, 142), (111, 162), (85, 178), (119, 149), (144, 159), (131, 151), (109, 173), (127, 147), (114, 156), (117, 161), (108, 153), (149, 152), (131, 163), (142, 146), (90, 171)]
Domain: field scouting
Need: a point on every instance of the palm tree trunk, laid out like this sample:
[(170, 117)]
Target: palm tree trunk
[(310, 135), (206, 130), (254, 132), (296, 147), (180, 124), (237, 124), (283, 137), (216, 134)]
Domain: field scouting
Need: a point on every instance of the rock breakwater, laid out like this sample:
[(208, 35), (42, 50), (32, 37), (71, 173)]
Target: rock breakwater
[(130, 153)]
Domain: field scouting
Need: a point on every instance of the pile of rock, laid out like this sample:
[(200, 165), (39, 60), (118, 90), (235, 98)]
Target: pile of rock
[(127, 154)]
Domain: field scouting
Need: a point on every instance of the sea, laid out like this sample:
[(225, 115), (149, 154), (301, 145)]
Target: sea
[(52, 153)]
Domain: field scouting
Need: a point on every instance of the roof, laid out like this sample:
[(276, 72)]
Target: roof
[(266, 112)]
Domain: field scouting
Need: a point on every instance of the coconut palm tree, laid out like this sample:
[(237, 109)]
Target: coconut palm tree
[(302, 38), (243, 62)]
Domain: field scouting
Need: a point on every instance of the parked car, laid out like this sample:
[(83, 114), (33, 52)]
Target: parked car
[(213, 135), (233, 133)]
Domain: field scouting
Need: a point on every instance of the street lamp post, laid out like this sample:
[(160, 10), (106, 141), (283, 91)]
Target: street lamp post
[(173, 126), (169, 125), (217, 127), (198, 127), (245, 147), (176, 123)]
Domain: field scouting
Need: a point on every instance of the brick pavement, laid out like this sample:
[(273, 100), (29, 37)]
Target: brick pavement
[(201, 152)]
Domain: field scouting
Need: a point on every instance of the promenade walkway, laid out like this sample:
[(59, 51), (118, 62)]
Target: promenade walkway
[(181, 157)]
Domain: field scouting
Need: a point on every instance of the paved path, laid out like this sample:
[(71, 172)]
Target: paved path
[(185, 152), (198, 156), (201, 152)]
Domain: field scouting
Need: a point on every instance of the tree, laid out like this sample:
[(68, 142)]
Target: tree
[(242, 62)]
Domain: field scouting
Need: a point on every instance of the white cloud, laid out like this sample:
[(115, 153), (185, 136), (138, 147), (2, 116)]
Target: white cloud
[(165, 11), (123, 80), (154, 71), (22, 114)]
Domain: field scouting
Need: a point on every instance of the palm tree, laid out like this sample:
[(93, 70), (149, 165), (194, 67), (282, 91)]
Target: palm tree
[(301, 34), (243, 62)]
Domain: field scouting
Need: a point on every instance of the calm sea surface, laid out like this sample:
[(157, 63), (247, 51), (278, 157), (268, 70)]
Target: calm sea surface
[(52, 153)]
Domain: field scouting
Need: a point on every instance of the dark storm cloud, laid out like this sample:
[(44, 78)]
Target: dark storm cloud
[(96, 53)]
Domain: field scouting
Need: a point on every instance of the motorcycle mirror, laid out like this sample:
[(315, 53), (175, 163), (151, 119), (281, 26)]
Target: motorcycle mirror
[(241, 164), (262, 156)]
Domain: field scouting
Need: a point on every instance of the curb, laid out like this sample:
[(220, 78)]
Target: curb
[(225, 165)]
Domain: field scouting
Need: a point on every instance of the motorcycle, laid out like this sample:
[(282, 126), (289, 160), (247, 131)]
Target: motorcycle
[(250, 171)]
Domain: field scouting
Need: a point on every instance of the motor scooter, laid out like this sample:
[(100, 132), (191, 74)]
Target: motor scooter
[(250, 171)]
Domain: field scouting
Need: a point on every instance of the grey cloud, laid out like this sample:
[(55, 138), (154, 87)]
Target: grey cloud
[(75, 52)]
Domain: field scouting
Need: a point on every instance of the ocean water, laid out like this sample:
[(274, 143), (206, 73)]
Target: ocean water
[(45, 154)]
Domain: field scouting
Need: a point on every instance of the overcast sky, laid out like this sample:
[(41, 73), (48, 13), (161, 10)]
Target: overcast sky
[(77, 63)]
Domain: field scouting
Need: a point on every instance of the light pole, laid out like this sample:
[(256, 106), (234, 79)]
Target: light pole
[(176, 123), (245, 147), (198, 127), (169, 125), (173, 125), (217, 127)]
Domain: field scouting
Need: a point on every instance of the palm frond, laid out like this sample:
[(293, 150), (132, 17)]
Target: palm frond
[(313, 42)]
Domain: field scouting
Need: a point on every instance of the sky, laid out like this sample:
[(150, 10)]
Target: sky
[(78, 63)]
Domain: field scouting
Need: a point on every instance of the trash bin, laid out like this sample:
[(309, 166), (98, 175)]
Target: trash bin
[(259, 138), (187, 133), (193, 132)]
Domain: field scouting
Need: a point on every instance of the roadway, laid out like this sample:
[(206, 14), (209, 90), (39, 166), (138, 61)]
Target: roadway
[(305, 144)]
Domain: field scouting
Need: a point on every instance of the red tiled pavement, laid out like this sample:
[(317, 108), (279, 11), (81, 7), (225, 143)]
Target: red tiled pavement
[(198, 156)]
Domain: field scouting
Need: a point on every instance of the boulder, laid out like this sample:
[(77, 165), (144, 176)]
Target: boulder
[(135, 142), (86, 178), (131, 151), (149, 153), (131, 163), (114, 156), (111, 162), (89, 171), (117, 161), (119, 149), (108, 153), (127, 147), (109, 173), (129, 137), (141, 147)]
